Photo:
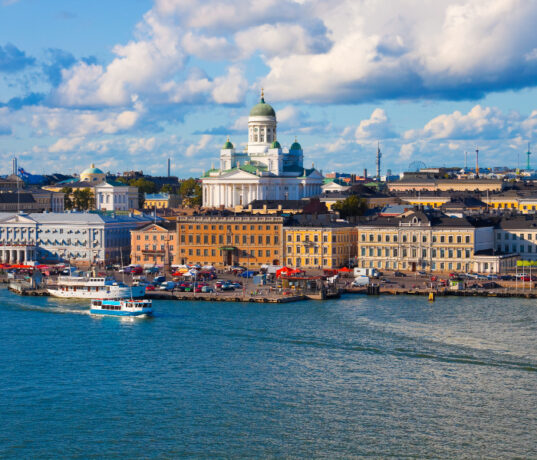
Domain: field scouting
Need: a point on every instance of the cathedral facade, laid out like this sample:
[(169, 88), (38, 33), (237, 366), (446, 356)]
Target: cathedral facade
[(263, 171)]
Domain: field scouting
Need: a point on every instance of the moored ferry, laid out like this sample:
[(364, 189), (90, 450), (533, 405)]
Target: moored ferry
[(80, 287), (130, 307)]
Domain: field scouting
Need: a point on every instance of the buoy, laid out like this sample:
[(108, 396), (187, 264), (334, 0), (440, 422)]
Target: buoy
[(431, 296)]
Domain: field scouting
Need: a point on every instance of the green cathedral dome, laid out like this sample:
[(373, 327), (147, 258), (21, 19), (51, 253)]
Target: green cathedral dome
[(262, 109), (228, 145), (275, 145)]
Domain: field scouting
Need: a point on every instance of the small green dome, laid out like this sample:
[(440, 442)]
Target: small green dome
[(228, 145), (262, 109), (275, 145), (295, 146), (92, 170)]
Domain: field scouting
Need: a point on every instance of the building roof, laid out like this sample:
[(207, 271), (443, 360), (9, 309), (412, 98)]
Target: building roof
[(169, 225), (11, 198), (262, 109), (518, 222), (92, 170), (157, 196)]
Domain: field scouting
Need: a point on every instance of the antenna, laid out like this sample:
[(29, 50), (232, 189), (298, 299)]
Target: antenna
[(465, 160), (476, 161), (379, 156), (528, 154)]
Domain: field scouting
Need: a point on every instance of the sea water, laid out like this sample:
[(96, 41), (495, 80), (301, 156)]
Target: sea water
[(354, 377)]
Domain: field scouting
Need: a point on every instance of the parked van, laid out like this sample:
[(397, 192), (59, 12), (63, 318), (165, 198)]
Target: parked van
[(371, 272), (360, 281)]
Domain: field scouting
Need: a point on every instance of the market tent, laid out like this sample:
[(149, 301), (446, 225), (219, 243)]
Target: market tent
[(247, 274), (283, 271), (345, 270)]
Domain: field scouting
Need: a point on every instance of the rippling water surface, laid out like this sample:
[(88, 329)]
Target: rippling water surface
[(355, 377)]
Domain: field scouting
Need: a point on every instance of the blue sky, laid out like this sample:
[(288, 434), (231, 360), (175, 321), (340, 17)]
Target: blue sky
[(127, 84)]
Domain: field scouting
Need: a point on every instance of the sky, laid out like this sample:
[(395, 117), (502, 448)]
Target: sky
[(129, 83)]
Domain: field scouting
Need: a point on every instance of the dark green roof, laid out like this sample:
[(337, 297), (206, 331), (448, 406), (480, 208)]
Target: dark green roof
[(228, 145), (262, 109), (275, 145), (295, 146)]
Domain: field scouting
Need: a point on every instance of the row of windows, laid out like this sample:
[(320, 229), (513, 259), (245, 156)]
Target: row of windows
[(515, 248), (315, 250), (514, 236), (299, 262), (153, 247), (155, 237), (344, 238), (230, 227), (212, 252), (230, 239), (415, 238), (413, 252)]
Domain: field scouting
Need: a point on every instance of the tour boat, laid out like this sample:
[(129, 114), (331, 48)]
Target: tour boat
[(130, 307), (80, 287)]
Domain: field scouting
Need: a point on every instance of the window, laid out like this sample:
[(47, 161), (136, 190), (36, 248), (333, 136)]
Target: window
[(404, 238), (371, 237), (450, 239), (379, 237), (414, 238), (434, 238), (260, 239), (267, 253), (395, 238), (387, 238), (298, 237), (467, 239), (442, 239), (424, 238), (260, 253)]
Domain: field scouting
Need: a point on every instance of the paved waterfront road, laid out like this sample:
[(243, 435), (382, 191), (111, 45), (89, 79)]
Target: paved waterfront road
[(356, 377)]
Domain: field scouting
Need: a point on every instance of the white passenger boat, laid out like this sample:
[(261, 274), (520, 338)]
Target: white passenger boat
[(130, 307), (80, 287)]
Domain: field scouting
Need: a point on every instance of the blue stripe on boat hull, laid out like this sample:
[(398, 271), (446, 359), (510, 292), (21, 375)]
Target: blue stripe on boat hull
[(118, 313)]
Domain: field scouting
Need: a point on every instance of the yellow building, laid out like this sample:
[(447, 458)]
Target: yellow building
[(431, 201), (332, 245), (226, 239), (155, 244), (420, 241), (161, 201)]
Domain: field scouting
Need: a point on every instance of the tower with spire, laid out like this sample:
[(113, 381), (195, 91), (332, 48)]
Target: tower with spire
[(528, 153), (379, 156)]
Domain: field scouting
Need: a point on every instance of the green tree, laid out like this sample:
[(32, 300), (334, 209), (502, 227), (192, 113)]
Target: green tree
[(144, 185), (67, 199), (167, 188), (83, 199), (351, 207), (190, 191)]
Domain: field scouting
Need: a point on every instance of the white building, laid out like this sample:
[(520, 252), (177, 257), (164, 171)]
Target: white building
[(72, 236), (115, 196), (263, 171)]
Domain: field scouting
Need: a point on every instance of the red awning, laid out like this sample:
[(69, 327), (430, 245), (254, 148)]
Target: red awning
[(345, 270)]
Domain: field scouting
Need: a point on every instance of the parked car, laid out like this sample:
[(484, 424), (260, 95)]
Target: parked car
[(218, 285), (434, 278), (159, 279), (207, 289), (399, 274), (237, 285), (150, 287), (227, 287), (167, 286), (422, 273)]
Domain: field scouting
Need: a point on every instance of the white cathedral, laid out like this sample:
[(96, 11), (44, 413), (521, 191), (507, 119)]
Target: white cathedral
[(263, 171)]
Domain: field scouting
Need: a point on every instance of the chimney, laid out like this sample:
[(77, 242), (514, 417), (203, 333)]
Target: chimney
[(365, 173)]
